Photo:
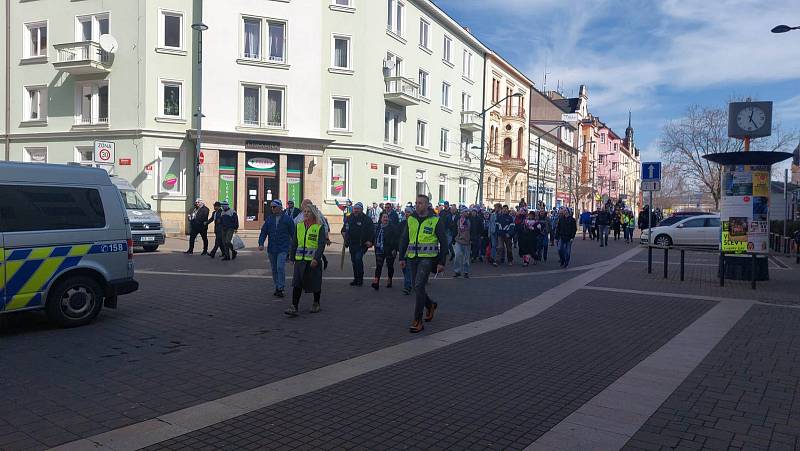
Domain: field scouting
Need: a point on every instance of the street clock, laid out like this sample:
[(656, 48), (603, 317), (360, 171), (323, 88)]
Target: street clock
[(749, 119)]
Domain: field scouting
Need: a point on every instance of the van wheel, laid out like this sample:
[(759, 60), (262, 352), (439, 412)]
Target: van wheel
[(150, 248), (75, 301)]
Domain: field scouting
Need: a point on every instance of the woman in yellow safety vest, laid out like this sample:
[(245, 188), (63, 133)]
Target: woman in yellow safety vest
[(308, 244)]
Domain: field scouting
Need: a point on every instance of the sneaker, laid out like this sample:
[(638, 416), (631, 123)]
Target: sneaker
[(291, 311), (211, 255), (315, 308), (494, 264), (279, 294), (204, 253), (188, 252), (406, 291), (431, 311), (234, 255), (389, 284), (376, 286), (456, 275), (354, 283), (466, 275), (416, 327)]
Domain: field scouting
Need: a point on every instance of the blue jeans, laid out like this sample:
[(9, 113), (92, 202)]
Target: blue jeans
[(493, 242), (277, 262), (543, 247), (461, 265), (564, 251), (357, 257)]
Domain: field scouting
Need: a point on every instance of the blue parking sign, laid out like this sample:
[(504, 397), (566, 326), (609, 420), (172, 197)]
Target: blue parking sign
[(651, 170)]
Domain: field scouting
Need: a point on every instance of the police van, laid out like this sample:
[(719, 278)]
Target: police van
[(65, 242)]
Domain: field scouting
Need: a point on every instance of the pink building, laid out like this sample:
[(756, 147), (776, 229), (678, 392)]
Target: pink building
[(608, 155)]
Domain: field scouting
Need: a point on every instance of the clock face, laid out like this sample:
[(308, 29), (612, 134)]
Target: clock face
[(751, 118)]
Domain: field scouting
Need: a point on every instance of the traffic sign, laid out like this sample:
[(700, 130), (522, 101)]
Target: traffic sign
[(104, 152), (651, 185), (651, 171)]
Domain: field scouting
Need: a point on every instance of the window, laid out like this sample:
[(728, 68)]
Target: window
[(392, 122), (447, 54), (35, 155), (424, 34), (422, 132), (171, 172), (36, 43), (442, 188), (698, 222), (252, 39), (341, 114), (341, 53), (171, 30), (466, 102), (275, 40), (602, 159), (613, 185), (462, 190), (495, 90), (423, 83), (347, 3), (466, 145), (90, 28), (33, 208), (602, 138), (251, 114), (84, 155), (395, 16), (339, 180), (444, 145), (614, 166), (466, 69), (252, 107), (390, 181), (91, 103), (35, 103), (445, 94), (420, 185), (712, 222), (171, 99)]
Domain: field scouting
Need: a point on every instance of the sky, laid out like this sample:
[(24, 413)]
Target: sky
[(653, 58)]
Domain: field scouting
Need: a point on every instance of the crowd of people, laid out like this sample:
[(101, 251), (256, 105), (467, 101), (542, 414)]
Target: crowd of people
[(420, 238)]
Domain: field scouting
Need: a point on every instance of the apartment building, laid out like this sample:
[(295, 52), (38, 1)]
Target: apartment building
[(549, 161), (66, 92), (506, 177), (402, 85)]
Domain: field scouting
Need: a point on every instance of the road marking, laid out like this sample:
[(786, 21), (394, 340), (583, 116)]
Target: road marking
[(175, 424), (689, 296), (614, 415)]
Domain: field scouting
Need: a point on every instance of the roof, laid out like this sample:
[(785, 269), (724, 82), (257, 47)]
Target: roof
[(454, 26), (568, 105), (52, 174)]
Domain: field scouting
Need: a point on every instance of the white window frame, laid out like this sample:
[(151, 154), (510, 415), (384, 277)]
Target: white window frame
[(348, 103), (263, 105), (79, 150), (395, 136), (41, 92), (447, 50), (264, 38), (425, 93), (462, 190), (446, 88), (95, 118), (423, 180), (162, 83), (466, 65), (28, 28), (348, 178), (426, 42), (396, 177), (423, 143), (349, 39), (602, 138), (446, 187), (95, 21), (26, 156), (350, 4), (444, 141), (181, 177), (466, 101), (396, 23), (162, 30)]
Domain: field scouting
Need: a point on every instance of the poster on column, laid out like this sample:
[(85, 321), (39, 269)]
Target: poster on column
[(744, 209), (294, 189), (226, 187)]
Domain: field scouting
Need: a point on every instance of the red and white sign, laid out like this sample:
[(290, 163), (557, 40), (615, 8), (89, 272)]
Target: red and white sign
[(104, 152), (124, 161), (373, 166), (202, 158)]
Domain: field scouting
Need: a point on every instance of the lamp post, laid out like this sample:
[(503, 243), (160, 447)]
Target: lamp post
[(483, 143), (783, 29), (199, 28), (538, 160)]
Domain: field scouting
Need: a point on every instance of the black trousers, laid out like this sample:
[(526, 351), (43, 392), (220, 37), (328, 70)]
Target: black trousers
[(379, 261), (193, 237), (218, 243)]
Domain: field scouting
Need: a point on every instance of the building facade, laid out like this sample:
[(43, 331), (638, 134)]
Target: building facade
[(507, 127), (550, 165)]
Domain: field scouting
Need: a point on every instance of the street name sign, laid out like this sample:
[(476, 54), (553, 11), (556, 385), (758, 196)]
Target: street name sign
[(651, 171), (651, 185)]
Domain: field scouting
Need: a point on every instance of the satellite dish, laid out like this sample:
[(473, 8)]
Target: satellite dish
[(108, 43)]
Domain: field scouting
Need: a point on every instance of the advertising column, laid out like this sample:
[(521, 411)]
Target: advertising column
[(744, 209)]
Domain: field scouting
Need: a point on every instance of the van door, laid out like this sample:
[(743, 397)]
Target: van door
[(2, 269)]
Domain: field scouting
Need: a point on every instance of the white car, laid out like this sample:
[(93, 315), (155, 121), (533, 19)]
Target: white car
[(701, 230)]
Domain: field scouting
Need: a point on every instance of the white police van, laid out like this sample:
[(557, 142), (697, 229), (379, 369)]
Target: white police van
[(65, 242)]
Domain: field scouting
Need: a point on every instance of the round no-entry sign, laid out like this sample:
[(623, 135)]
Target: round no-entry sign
[(202, 158)]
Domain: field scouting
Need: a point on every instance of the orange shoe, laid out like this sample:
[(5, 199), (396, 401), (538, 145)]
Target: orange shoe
[(416, 327), (430, 312)]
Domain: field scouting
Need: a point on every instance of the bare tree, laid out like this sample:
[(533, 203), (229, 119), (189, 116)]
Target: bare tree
[(703, 131)]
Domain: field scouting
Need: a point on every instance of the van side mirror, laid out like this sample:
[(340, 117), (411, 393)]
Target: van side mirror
[(149, 207)]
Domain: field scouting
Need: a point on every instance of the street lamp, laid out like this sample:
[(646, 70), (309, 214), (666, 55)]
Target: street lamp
[(199, 28), (538, 161), (483, 142), (784, 29)]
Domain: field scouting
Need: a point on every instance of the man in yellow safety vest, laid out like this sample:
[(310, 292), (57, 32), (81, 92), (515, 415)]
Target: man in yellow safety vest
[(423, 248)]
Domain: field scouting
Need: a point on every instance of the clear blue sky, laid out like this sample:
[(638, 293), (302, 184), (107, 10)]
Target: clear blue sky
[(654, 58)]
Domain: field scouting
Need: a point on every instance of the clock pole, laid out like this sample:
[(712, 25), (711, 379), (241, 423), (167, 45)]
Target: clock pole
[(747, 144)]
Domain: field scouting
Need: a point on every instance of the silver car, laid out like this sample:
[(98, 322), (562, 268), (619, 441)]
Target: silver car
[(701, 230)]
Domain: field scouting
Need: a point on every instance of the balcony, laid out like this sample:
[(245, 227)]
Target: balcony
[(512, 162), (471, 121), (90, 122), (518, 115), (401, 91), (79, 58)]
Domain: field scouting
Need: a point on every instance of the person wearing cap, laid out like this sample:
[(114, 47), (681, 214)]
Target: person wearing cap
[(279, 227), (407, 286), (358, 232), (215, 219), (198, 225), (463, 243), (230, 224), (291, 211), (423, 248)]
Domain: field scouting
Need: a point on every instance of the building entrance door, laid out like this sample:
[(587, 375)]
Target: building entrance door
[(261, 190)]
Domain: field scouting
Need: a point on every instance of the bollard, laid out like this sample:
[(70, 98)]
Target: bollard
[(666, 262), (649, 259), (753, 273), (682, 255)]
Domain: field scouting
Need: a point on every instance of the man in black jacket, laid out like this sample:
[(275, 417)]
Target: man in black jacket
[(603, 225), (565, 233), (291, 211), (358, 232), (198, 225)]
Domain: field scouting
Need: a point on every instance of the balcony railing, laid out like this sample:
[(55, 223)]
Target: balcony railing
[(401, 91), (517, 114), (82, 58), (471, 121), (101, 121), (510, 161)]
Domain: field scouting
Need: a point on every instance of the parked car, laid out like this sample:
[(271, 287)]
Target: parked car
[(145, 223), (700, 230)]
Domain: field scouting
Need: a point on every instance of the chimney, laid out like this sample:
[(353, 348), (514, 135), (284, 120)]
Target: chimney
[(468, 30)]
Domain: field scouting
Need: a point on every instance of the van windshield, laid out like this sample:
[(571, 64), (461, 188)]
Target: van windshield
[(133, 200)]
